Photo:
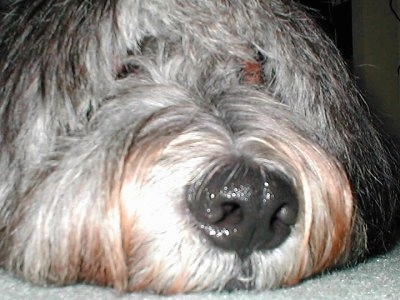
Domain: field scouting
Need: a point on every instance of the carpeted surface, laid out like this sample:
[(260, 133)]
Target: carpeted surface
[(375, 279)]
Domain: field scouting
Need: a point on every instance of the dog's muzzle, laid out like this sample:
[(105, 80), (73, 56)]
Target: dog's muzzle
[(243, 208)]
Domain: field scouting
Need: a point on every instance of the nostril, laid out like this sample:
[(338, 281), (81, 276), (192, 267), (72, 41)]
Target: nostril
[(232, 214), (209, 208), (287, 215)]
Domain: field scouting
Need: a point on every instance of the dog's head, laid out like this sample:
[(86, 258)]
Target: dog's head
[(179, 146)]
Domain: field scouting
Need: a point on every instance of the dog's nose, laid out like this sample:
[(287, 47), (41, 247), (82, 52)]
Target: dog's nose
[(244, 208)]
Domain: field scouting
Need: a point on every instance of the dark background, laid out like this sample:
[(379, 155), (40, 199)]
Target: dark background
[(336, 19), (367, 32)]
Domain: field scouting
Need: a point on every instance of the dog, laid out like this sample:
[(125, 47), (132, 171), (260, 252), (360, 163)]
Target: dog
[(183, 146)]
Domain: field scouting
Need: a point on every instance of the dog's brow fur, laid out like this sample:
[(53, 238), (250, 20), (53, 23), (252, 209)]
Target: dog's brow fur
[(111, 109)]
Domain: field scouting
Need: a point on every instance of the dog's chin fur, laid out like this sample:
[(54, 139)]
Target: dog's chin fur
[(111, 110)]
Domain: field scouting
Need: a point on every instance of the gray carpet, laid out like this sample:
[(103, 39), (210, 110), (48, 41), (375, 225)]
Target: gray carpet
[(374, 279)]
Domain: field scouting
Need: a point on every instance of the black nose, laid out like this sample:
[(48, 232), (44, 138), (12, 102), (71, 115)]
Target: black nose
[(242, 208)]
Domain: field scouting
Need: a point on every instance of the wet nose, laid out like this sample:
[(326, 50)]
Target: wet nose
[(243, 208)]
